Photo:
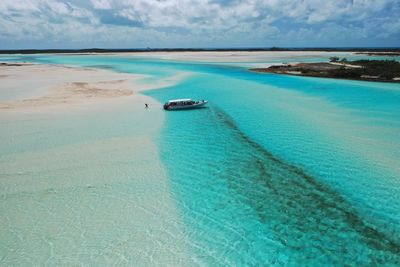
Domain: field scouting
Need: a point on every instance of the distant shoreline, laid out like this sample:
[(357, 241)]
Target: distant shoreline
[(366, 50), (379, 53), (363, 70)]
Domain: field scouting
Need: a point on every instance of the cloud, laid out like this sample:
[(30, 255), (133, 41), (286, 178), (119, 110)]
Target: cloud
[(137, 23), (101, 4), (119, 19)]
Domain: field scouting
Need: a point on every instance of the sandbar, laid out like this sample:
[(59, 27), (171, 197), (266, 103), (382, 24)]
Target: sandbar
[(81, 180)]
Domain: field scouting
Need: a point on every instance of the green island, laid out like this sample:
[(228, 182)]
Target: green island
[(370, 70)]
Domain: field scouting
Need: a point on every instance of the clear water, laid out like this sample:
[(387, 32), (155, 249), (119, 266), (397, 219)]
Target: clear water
[(277, 170), (283, 177)]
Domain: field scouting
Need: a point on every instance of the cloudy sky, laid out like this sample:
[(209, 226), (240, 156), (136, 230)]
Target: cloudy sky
[(198, 23)]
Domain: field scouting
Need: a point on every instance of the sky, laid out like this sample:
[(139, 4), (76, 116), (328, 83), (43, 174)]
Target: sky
[(42, 24)]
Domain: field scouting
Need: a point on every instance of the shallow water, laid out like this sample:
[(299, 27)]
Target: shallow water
[(290, 175), (278, 170)]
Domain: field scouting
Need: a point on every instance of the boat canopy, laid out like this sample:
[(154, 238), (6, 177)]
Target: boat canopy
[(179, 100)]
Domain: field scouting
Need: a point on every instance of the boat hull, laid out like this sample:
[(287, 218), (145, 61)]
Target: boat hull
[(194, 106)]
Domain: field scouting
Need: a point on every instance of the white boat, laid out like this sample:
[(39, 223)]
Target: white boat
[(183, 104)]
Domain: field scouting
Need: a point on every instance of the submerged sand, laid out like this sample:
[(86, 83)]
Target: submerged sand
[(81, 178)]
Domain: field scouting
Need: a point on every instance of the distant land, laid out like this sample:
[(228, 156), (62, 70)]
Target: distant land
[(368, 70), (367, 50)]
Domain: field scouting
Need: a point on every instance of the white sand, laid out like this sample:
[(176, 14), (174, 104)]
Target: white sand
[(236, 56), (81, 179), (346, 65), (227, 56), (39, 86), (31, 85)]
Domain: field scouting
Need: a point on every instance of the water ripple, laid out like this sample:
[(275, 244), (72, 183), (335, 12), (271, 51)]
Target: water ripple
[(244, 206)]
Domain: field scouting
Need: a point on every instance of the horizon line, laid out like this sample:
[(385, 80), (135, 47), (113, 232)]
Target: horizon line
[(195, 49)]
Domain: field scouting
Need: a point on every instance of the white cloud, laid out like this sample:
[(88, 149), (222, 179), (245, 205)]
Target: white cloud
[(101, 4), (18, 5), (59, 8), (162, 23)]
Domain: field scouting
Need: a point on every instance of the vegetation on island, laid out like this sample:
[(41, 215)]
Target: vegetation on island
[(372, 70), (381, 69)]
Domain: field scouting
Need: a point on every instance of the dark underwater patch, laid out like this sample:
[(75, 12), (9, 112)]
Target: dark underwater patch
[(313, 223)]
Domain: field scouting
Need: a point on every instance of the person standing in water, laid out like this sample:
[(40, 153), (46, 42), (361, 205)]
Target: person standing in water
[(146, 106)]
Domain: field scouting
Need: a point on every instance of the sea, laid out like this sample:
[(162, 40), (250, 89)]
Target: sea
[(276, 170)]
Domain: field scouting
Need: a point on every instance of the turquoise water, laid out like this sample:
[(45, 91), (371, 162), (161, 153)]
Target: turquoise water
[(282, 185), (278, 170)]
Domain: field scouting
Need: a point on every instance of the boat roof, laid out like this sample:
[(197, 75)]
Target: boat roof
[(180, 100)]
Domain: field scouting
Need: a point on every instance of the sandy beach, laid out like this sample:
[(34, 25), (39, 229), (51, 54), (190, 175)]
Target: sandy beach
[(36, 85), (81, 170), (236, 56)]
